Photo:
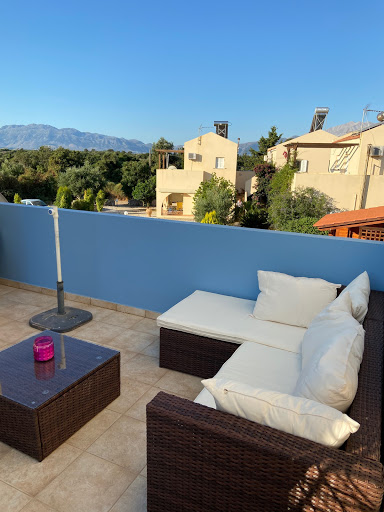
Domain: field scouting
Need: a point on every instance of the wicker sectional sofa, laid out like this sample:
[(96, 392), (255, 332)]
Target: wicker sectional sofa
[(202, 459)]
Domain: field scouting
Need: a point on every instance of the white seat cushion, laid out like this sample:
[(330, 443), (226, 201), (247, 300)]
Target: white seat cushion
[(297, 416), (292, 300), (259, 366), (229, 319)]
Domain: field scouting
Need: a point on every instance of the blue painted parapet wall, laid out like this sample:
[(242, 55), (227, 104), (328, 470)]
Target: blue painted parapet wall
[(152, 264)]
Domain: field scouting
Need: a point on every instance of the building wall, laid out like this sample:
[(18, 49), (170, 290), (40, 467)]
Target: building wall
[(345, 159), (208, 147), (345, 189), (241, 179), (180, 181), (152, 263)]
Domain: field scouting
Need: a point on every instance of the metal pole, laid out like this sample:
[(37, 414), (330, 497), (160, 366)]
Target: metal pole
[(60, 285)]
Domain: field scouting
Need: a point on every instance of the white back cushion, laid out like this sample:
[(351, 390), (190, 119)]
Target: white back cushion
[(297, 416), (332, 353), (359, 290), (292, 300)]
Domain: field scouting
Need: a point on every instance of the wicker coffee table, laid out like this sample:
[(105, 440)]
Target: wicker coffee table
[(44, 403)]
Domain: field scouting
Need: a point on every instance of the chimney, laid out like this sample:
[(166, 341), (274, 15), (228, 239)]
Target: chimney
[(221, 128)]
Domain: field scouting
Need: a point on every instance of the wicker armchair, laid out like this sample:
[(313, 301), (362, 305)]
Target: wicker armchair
[(200, 459)]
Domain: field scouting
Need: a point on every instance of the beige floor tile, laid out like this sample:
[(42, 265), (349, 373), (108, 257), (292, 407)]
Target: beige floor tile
[(144, 472), (16, 331), (122, 319), (138, 410), (93, 429), (98, 332), (131, 391), (148, 325), (12, 500), (19, 311), (124, 443), (104, 304), (89, 484), (4, 449), (130, 310), (182, 384), (132, 340), (5, 289), (30, 476), (31, 298), (37, 506), (135, 497), (153, 349), (143, 368), (5, 320)]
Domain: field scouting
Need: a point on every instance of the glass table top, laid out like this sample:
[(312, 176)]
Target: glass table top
[(32, 383)]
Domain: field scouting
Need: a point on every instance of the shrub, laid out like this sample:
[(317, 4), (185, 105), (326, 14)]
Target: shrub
[(63, 198), (282, 180), (80, 204), (17, 199), (89, 196), (100, 200), (114, 190), (217, 194), (303, 202), (304, 225), (255, 217), (210, 218)]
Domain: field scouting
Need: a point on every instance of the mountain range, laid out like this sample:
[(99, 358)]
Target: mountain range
[(32, 136)]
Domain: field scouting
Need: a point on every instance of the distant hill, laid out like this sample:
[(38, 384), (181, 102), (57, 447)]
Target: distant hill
[(32, 136), (352, 126), (246, 146)]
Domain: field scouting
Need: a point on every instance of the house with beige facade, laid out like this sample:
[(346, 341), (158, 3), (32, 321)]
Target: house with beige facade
[(207, 154), (350, 169)]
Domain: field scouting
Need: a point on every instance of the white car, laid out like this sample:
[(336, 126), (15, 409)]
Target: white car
[(33, 202)]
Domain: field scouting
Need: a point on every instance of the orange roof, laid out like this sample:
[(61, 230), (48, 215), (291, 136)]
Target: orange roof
[(355, 218), (348, 137)]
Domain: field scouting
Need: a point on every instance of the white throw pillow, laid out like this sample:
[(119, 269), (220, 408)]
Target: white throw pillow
[(292, 300), (297, 416), (323, 328), (359, 290), (332, 352)]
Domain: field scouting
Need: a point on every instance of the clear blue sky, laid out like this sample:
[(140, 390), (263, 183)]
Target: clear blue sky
[(148, 69)]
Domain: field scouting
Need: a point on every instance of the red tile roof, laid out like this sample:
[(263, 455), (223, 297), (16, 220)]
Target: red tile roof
[(348, 137), (355, 217)]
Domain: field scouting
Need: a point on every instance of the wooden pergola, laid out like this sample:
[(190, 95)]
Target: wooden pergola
[(165, 152)]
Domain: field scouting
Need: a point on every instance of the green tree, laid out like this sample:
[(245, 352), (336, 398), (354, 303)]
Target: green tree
[(100, 200), (79, 179), (248, 162), (64, 198), (270, 141), (160, 144), (303, 202), (145, 191), (114, 190), (80, 204), (217, 194), (264, 173), (17, 199), (254, 216), (134, 172)]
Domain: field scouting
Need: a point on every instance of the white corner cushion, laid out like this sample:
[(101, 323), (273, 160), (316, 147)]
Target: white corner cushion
[(228, 318), (292, 300), (332, 353), (359, 290), (326, 326), (290, 414)]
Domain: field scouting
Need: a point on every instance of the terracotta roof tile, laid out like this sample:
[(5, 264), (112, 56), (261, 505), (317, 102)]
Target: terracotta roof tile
[(367, 215)]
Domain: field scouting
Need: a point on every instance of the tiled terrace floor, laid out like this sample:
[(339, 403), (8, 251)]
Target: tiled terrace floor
[(102, 467)]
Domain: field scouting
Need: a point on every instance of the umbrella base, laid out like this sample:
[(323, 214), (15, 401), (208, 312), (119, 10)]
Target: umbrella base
[(56, 322)]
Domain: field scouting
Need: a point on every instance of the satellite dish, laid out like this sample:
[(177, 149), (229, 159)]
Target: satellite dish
[(380, 117), (172, 168)]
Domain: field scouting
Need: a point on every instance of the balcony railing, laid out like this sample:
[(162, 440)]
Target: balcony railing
[(153, 263)]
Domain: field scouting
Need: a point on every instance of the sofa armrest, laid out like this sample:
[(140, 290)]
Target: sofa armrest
[(203, 459)]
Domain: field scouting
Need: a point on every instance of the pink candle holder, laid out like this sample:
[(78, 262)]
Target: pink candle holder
[(43, 348)]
